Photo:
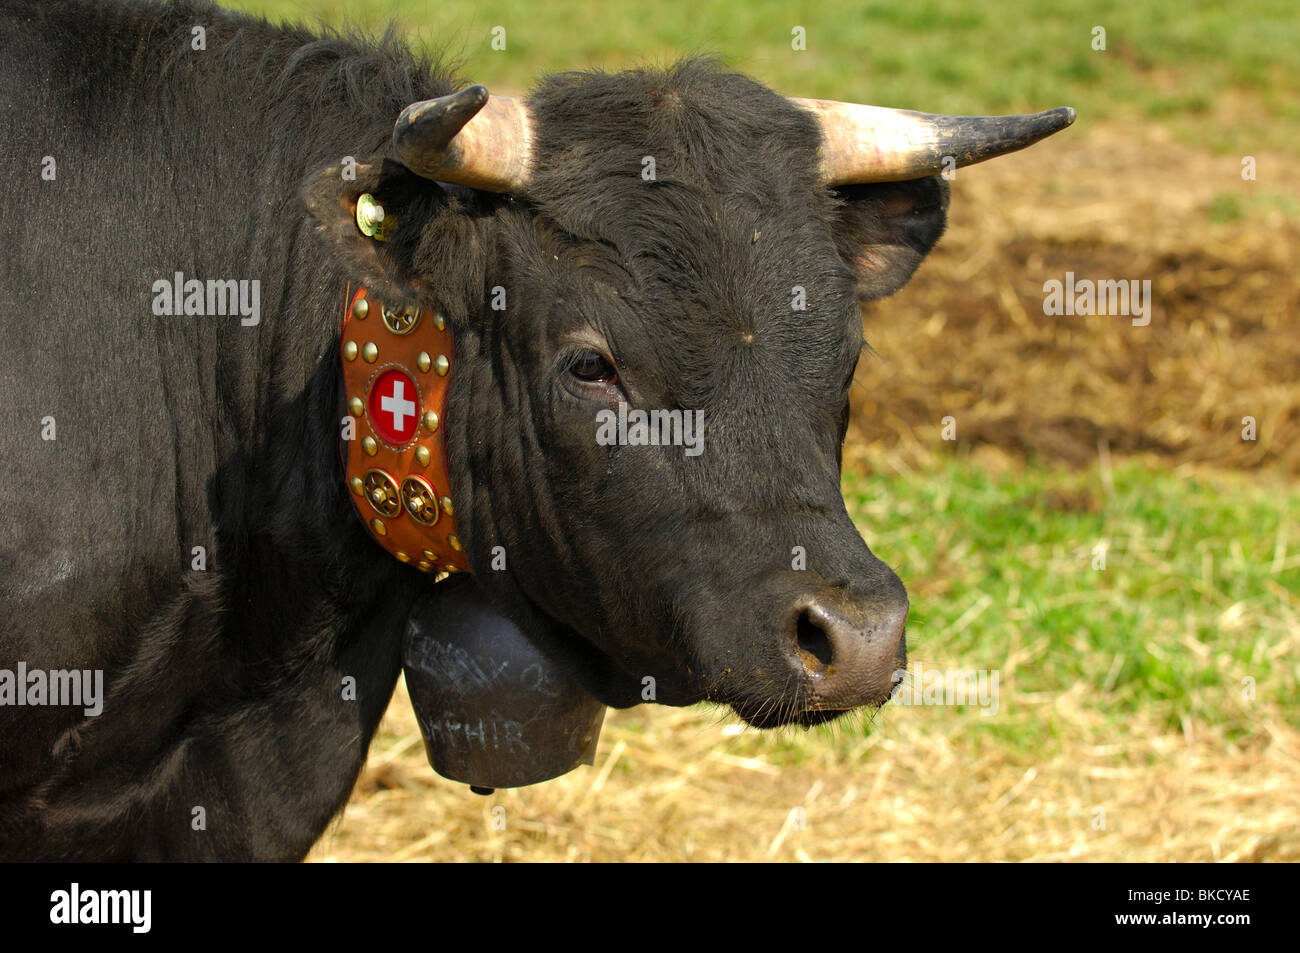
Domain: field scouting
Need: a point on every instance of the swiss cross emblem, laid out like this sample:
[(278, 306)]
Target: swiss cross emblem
[(394, 406)]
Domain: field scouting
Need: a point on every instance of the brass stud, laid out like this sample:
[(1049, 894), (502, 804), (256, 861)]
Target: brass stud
[(422, 456), (430, 421), (369, 353), (350, 351), (446, 505), (356, 407), (424, 566), (360, 308), (378, 526), (369, 446), (358, 487), (454, 543), (439, 321), (402, 557), (441, 365), (449, 568), (382, 493), (423, 361), (430, 555)]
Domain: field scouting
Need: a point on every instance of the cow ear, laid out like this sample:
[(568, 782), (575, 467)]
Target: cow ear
[(884, 229), (391, 266)]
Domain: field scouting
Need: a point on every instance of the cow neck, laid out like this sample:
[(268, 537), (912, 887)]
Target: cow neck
[(397, 363)]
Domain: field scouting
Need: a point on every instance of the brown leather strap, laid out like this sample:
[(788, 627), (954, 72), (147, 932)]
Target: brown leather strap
[(396, 370)]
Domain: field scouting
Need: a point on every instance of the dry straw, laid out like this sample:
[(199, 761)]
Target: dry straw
[(678, 785)]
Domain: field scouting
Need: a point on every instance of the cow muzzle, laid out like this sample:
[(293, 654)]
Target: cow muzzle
[(850, 653)]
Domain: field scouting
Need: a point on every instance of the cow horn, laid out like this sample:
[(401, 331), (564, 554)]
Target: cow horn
[(873, 144), (468, 138)]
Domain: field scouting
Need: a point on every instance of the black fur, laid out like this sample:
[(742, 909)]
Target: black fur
[(225, 687)]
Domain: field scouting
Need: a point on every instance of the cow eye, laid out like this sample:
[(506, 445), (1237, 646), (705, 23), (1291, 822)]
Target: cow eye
[(592, 367)]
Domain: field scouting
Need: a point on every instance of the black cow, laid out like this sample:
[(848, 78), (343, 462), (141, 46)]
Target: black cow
[(142, 140)]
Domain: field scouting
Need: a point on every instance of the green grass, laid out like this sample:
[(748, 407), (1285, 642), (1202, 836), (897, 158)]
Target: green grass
[(1200, 590), (1170, 61), (1229, 208)]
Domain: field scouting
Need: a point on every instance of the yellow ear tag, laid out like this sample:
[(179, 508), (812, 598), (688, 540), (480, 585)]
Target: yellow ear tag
[(372, 219)]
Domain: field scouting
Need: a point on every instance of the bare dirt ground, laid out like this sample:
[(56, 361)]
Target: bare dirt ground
[(968, 338)]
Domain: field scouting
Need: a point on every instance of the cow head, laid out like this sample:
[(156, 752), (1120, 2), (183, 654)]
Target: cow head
[(682, 240)]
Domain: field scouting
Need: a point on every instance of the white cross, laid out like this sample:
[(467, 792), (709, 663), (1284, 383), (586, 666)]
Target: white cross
[(398, 406)]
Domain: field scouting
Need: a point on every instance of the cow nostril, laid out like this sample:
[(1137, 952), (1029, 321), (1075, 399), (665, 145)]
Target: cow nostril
[(814, 645)]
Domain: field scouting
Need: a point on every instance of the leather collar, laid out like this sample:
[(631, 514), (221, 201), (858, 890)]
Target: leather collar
[(397, 364)]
